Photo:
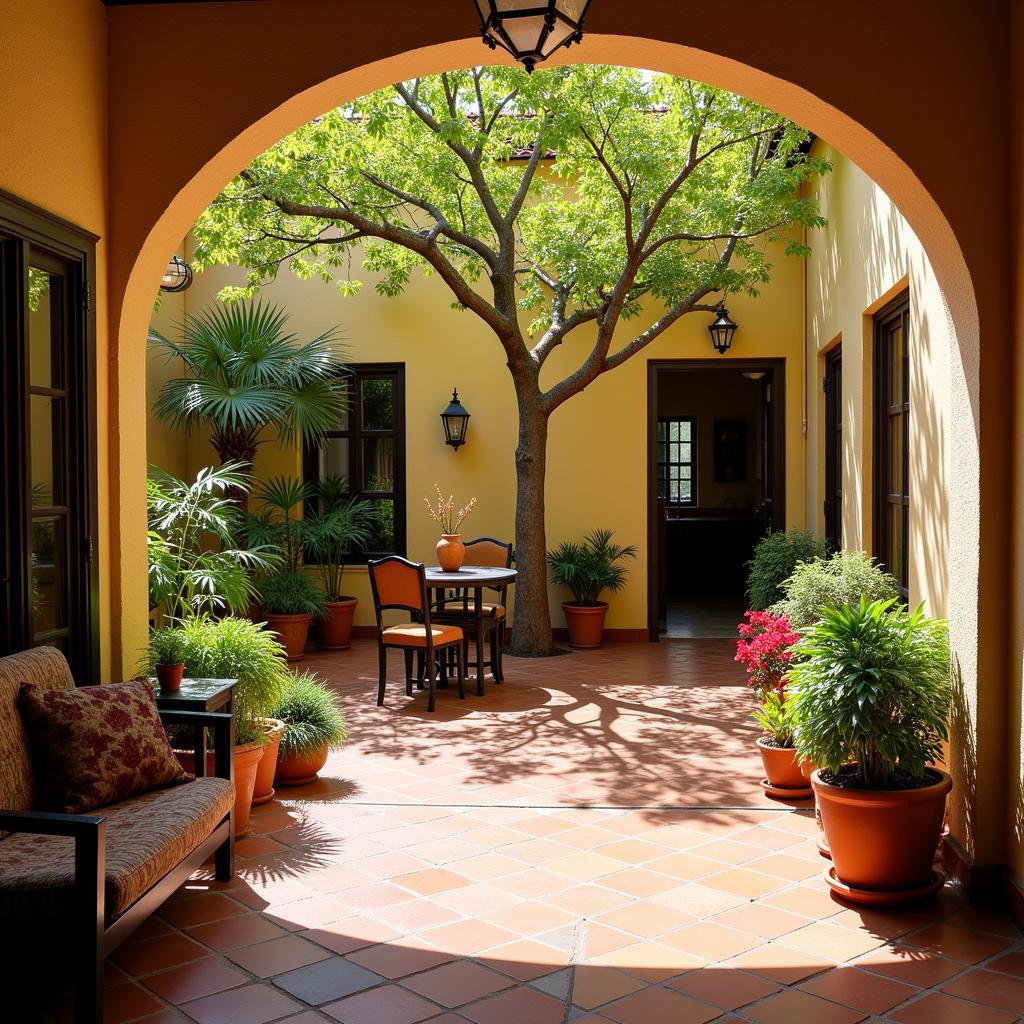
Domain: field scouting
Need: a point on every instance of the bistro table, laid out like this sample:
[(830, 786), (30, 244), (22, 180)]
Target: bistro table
[(197, 695), (475, 578)]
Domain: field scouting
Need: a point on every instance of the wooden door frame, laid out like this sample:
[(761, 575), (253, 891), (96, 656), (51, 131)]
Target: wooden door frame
[(28, 226), (833, 409), (776, 368)]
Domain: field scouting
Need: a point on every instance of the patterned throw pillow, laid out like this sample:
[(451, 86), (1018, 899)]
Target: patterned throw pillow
[(96, 745)]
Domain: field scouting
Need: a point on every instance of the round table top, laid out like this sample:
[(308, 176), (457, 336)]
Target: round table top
[(470, 576)]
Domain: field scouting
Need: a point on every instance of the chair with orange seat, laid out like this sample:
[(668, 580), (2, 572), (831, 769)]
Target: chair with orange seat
[(400, 584), (460, 608)]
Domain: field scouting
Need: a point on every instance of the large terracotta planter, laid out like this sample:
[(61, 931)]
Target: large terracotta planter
[(264, 787), (785, 778), (299, 769), (882, 842), (585, 623), (335, 629), (292, 631), (246, 758), (451, 552)]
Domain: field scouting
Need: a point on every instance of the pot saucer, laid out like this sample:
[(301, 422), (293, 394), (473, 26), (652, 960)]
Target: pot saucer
[(787, 792), (823, 849), (880, 897)]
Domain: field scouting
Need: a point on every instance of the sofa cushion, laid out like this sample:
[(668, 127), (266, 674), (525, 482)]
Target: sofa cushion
[(96, 745), (146, 837)]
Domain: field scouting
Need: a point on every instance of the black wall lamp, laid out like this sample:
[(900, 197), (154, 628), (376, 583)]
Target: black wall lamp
[(177, 277), (456, 422), (722, 331), (531, 31)]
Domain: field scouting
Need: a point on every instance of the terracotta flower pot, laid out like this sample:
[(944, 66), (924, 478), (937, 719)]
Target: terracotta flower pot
[(246, 758), (254, 613), (264, 788), (292, 631), (882, 841), (784, 775), (335, 629), (299, 769), (169, 677), (450, 552), (585, 623)]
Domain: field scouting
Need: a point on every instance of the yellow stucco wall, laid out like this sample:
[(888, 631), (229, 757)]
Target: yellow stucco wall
[(53, 113), (597, 468)]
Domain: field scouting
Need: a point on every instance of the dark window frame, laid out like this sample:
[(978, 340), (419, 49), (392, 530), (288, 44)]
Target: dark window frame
[(833, 422), (355, 434), (887, 407), (30, 236), (691, 502)]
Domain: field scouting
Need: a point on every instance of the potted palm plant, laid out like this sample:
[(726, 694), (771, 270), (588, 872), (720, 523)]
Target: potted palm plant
[(166, 653), (870, 698), (313, 726), (588, 569), (335, 524), (244, 374)]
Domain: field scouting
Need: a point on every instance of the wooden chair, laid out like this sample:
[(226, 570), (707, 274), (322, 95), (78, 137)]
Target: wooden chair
[(460, 607), (400, 584)]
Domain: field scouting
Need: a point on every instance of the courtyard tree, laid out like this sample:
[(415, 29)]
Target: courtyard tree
[(591, 206)]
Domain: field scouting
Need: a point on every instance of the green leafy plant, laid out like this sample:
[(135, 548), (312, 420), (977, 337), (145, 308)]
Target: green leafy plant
[(774, 716), (245, 373), (337, 523), (291, 592), (196, 565), (588, 568), (278, 521), (844, 578), (166, 647), (236, 649), (311, 714), (776, 556), (870, 684)]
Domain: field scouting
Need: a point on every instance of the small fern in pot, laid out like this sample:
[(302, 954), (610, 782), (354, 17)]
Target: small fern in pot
[(314, 725)]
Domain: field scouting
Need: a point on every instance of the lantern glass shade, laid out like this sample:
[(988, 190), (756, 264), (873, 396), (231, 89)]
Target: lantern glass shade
[(531, 30), (177, 277), (722, 331), (456, 422)]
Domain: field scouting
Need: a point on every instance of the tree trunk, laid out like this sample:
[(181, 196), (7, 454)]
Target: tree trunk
[(236, 446), (531, 624)]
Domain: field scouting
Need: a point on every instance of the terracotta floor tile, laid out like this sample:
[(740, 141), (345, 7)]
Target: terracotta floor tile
[(908, 964), (417, 915), (631, 851), (768, 922), (659, 1004), (518, 1004), (594, 985), (726, 988), (432, 880), (814, 902), (780, 963), (587, 900), (388, 1004), (327, 980), (158, 953), (531, 917), (698, 900), (886, 924), (525, 959), (652, 961), (859, 989), (728, 851), (128, 1002), (989, 987), (1010, 963), (393, 864), (458, 983), (397, 959), (710, 941), (602, 939), (743, 882), (792, 1005), (826, 939), (195, 910), (533, 882), (794, 869), (468, 937), (487, 866), (938, 1008), (479, 899), (253, 1004), (233, 932), (276, 956), (194, 980), (584, 867), (958, 943), (536, 851), (639, 882), (350, 933), (645, 919), (984, 919), (687, 866)]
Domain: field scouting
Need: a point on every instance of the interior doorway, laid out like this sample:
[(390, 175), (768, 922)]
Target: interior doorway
[(716, 483)]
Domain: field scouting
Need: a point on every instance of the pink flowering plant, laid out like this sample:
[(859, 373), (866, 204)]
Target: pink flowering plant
[(765, 650)]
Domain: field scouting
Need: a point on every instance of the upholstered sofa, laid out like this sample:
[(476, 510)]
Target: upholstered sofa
[(96, 877)]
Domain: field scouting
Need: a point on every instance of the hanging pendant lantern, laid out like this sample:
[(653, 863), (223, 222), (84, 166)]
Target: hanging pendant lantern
[(722, 331), (531, 30), (177, 277)]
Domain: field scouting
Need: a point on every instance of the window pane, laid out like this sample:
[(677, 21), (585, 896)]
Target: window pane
[(674, 430), (685, 491), (685, 453), (896, 395), (378, 403), (383, 535), (662, 425), (686, 425), (334, 457), (378, 464), (48, 586), (45, 295), (897, 548), (47, 450), (897, 471)]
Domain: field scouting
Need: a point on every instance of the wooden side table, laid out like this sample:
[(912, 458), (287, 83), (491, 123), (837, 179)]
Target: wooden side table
[(197, 695)]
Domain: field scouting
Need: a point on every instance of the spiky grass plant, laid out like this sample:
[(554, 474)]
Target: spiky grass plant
[(312, 715)]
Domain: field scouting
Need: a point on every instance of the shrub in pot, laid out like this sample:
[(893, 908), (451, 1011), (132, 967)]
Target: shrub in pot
[(870, 698), (588, 568), (166, 658), (776, 556), (843, 578), (290, 600), (335, 524), (313, 726), (765, 650)]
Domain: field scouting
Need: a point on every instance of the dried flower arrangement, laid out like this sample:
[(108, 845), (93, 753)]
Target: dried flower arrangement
[(444, 513)]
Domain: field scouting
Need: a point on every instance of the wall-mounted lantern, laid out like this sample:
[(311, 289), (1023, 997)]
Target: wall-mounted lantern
[(531, 31), (177, 277), (722, 331), (456, 422)]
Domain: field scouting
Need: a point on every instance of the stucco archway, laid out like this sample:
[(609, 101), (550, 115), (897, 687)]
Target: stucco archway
[(138, 257)]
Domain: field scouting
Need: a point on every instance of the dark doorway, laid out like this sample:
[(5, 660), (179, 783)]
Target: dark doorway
[(47, 438), (716, 484), (832, 385)]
